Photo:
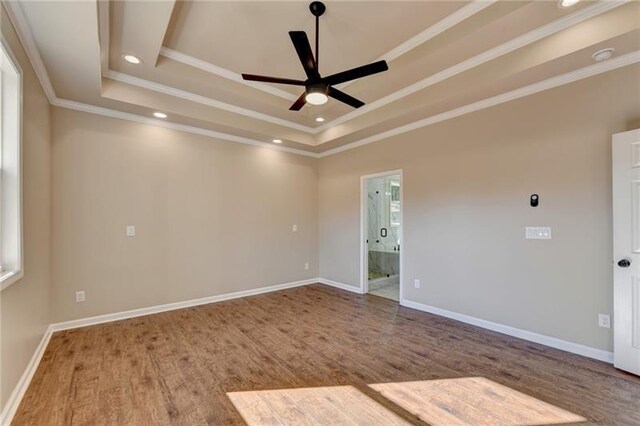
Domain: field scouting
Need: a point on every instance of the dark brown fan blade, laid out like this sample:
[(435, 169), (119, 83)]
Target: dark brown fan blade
[(266, 79), (343, 97), (355, 73), (301, 43), (299, 103)]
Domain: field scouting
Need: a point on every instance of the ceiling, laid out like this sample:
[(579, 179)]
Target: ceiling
[(446, 58)]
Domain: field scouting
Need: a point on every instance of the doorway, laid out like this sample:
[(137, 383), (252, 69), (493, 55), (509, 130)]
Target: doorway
[(381, 229)]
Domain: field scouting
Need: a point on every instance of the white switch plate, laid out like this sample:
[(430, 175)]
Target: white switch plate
[(80, 296), (294, 228), (306, 266), (604, 320), (538, 233), (416, 283), (131, 231)]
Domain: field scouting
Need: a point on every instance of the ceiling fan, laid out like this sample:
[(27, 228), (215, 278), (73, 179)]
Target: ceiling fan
[(318, 89)]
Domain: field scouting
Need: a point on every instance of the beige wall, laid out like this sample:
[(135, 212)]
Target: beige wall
[(467, 184), (211, 217), (24, 306)]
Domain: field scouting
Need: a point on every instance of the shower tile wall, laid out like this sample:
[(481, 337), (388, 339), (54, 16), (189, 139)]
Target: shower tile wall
[(384, 257)]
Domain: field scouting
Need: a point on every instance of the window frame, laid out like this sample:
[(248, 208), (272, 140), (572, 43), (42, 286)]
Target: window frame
[(11, 276)]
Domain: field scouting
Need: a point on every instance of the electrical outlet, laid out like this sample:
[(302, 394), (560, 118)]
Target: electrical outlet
[(416, 283), (131, 231), (80, 296), (294, 228), (604, 320), (306, 266)]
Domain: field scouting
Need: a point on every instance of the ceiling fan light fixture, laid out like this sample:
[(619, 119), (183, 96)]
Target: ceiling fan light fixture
[(316, 95)]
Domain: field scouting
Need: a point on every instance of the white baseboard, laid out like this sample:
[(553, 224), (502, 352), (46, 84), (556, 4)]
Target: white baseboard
[(553, 342), (13, 402), (11, 406), (341, 286), (100, 319)]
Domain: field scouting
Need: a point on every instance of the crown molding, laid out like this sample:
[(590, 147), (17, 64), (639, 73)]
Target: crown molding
[(570, 77), (438, 28), (104, 12), (20, 24), (19, 21), (172, 91), (486, 56), (223, 72), (551, 83), (107, 112)]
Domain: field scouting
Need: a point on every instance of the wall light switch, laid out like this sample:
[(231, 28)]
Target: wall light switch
[(294, 228), (131, 231), (80, 296), (538, 232), (306, 266), (416, 283)]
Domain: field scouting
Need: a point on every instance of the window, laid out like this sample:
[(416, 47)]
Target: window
[(11, 266)]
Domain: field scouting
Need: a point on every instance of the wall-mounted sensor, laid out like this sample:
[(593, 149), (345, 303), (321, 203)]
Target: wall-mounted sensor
[(535, 200)]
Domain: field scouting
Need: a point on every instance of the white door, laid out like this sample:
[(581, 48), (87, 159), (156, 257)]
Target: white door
[(626, 250)]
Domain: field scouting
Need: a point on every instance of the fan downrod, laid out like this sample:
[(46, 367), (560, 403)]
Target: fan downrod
[(317, 8)]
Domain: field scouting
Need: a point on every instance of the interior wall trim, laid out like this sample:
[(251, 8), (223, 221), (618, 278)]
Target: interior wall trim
[(183, 94), (101, 319), (570, 77), (341, 286), (484, 57), (103, 33), (14, 11), (551, 83), (17, 17), (112, 113), (223, 72), (11, 406), (552, 342), (439, 27)]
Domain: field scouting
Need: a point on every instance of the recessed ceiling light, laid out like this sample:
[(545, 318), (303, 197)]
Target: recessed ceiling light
[(319, 119), (604, 54), (277, 141), (132, 59), (567, 3), (160, 115)]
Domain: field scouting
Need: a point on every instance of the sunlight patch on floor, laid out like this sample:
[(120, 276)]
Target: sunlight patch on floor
[(335, 405), (472, 400)]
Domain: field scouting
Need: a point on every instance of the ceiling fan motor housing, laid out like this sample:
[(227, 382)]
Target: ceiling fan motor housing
[(317, 8)]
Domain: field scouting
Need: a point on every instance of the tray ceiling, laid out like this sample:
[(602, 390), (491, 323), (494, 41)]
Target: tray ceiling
[(444, 57)]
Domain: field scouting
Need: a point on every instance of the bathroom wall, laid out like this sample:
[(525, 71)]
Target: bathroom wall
[(383, 212)]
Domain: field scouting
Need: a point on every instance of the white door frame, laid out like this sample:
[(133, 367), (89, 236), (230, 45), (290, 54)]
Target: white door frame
[(364, 249)]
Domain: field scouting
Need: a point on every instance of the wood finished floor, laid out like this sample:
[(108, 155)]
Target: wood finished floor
[(176, 367)]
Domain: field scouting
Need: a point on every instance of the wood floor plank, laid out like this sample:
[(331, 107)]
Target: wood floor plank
[(177, 367)]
